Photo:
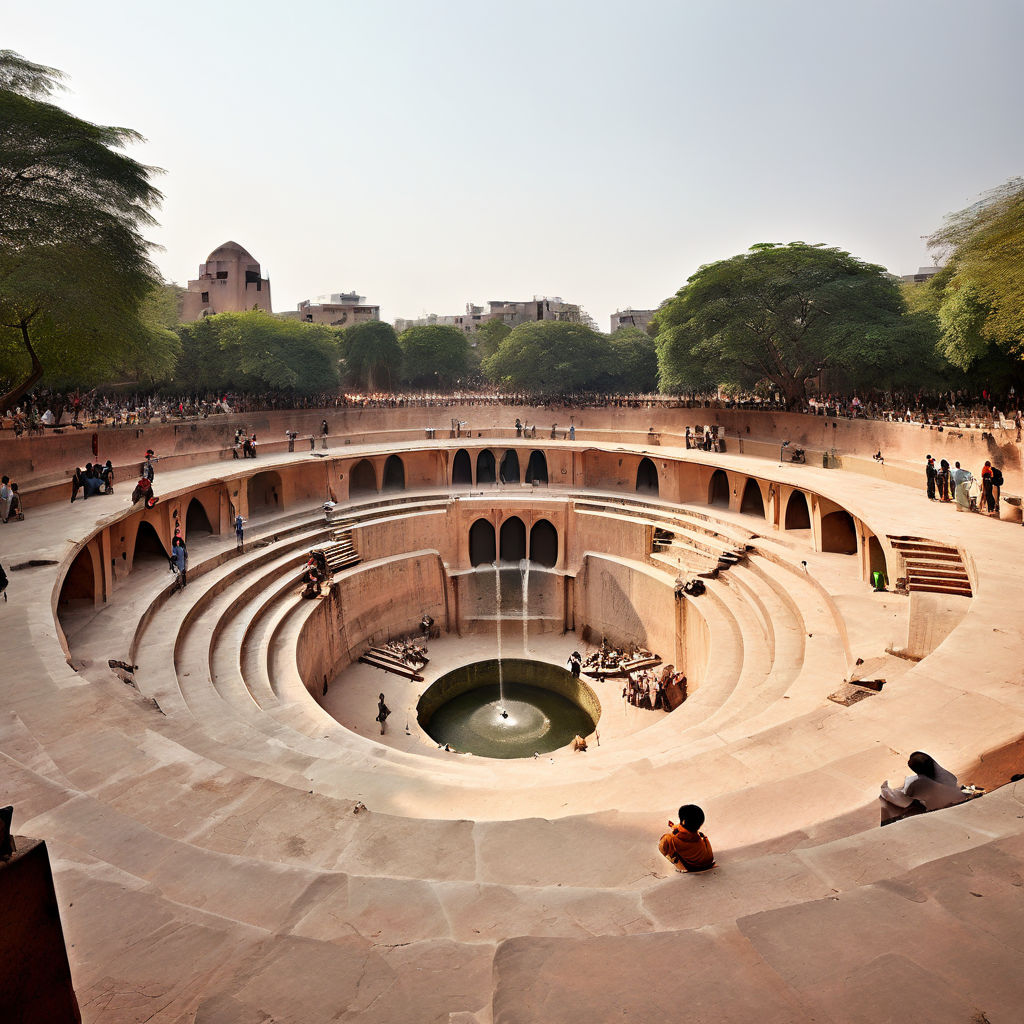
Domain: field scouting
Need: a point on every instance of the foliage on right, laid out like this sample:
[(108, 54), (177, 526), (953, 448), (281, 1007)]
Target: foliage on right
[(779, 316), (979, 293)]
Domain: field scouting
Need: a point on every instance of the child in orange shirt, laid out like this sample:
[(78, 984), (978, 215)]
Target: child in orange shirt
[(686, 846)]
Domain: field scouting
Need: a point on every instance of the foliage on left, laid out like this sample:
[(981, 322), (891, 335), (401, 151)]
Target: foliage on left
[(75, 270)]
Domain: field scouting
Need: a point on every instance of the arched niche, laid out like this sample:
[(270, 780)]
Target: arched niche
[(148, 546), (80, 583), (482, 550), (876, 557), (752, 503), (838, 533), (646, 477), (544, 543), (512, 546), (485, 467), (798, 515), (394, 474), (537, 468), (718, 489), (196, 519), (363, 479), (462, 469), (264, 491), (509, 473)]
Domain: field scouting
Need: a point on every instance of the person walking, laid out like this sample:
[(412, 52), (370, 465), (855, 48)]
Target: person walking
[(239, 532), (179, 555), (382, 712)]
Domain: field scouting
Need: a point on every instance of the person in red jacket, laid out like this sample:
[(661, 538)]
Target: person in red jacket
[(686, 846)]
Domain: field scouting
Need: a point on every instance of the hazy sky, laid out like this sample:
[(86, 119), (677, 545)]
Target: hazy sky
[(430, 154)]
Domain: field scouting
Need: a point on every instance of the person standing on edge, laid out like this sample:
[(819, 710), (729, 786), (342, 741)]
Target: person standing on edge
[(382, 712), (179, 553), (929, 474), (5, 498), (146, 471), (323, 434), (239, 531)]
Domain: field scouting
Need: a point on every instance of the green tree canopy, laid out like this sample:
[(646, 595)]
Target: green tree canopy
[(373, 357), (434, 355), (255, 350), (981, 288), (74, 267), (634, 363), (781, 314), (489, 335), (550, 357)]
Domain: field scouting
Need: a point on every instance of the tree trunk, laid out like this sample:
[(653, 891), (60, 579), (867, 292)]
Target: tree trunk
[(12, 397)]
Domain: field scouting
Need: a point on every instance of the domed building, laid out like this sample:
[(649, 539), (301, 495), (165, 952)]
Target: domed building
[(230, 281)]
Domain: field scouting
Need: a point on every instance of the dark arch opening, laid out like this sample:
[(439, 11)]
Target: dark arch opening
[(148, 547), (510, 467), (798, 515), (394, 474), (363, 479), (485, 467), (838, 533), (80, 582), (752, 503), (196, 519), (544, 543), (264, 491), (718, 489), (876, 557), (462, 469), (646, 477), (537, 468), (481, 543), (513, 540)]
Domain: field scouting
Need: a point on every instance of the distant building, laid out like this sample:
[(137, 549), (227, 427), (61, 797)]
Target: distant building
[(923, 274), (341, 309), (229, 282), (631, 318), (510, 313)]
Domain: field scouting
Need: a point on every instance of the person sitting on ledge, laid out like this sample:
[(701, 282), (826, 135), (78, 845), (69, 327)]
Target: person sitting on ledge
[(930, 788), (686, 846)]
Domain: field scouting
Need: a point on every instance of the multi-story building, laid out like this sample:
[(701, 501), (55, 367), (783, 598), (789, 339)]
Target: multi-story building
[(631, 318), (340, 309), (229, 281), (923, 274), (510, 313)]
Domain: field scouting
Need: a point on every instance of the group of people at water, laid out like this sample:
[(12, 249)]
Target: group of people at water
[(945, 484)]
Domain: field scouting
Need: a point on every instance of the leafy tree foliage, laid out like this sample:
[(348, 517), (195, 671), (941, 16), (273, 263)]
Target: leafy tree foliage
[(74, 267), (634, 363), (550, 357), (490, 335), (434, 355), (980, 291), (373, 357), (255, 350), (782, 314)]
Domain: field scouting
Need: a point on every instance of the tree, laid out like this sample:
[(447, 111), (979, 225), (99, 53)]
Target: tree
[(550, 357), (981, 288), (74, 267), (434, 355), (780, 315), (373, 357), (634, 363), (256, 350), (489, 335)]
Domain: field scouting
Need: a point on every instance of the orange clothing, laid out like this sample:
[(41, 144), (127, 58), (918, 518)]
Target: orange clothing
[(686, 849)]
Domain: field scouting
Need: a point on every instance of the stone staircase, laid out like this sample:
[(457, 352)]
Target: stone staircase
[(932, 567)]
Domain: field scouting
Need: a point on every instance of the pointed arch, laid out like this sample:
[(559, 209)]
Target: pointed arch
[(394, 474), (513, 540), (544, 543), (798, 515), (718, 489), (80, 582), (462, 469), (264, 491), (646, 477), (363, 479), (839, 533), (148, 546), (485, 467), (482, 548), (537, 468), (509, 473), (196, 519), (752, 502)]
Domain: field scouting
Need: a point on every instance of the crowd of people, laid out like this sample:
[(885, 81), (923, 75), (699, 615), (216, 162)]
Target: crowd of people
[(945, 484)]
